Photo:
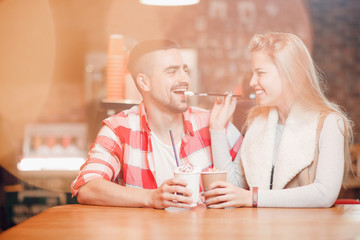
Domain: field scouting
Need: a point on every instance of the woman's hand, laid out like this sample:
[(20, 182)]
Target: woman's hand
[(222, 194), (222, 112)]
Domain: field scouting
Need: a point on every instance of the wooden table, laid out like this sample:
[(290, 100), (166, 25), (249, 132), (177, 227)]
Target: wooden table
[(92, 222)]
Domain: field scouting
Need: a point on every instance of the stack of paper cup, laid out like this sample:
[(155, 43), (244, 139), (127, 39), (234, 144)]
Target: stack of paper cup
[(115, 74)]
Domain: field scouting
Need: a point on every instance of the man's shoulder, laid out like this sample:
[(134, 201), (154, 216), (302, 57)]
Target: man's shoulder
[(201, 116), (199, 111), (124, 117), (133, 111)]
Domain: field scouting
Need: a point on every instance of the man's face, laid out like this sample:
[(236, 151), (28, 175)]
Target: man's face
[(167, 73)]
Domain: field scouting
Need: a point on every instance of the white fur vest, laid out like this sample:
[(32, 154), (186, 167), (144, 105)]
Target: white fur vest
[(297, 148)]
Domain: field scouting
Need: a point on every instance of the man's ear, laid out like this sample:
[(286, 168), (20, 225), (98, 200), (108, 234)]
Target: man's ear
[(143, 81)]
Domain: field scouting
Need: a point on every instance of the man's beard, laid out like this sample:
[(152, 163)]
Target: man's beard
[(172, 105)]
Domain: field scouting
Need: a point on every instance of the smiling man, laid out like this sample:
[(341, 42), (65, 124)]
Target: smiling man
[(131, 162)]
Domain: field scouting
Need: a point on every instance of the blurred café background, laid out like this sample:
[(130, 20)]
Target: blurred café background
[(62, 72)]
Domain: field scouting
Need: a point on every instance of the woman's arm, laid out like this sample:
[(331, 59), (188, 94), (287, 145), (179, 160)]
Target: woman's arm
[(329, 174), (225, 138), (222, 158), (322, 193)]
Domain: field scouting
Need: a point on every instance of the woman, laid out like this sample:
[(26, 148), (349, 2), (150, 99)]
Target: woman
[(296, 149)]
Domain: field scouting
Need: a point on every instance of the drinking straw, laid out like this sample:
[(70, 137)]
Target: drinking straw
[(173, 145)]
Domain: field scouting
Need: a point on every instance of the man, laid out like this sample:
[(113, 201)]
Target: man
[(131, 162)]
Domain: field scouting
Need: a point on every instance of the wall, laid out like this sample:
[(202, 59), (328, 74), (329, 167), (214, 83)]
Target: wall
[(336, 25), (44, 45)]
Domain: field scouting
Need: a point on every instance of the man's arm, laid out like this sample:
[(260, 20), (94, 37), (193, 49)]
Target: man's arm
[(106, 193)]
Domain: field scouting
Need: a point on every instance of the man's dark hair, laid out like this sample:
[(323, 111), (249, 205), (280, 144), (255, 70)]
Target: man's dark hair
[(145, 47)]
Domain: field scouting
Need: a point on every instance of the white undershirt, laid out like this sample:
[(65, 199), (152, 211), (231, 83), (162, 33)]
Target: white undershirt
[(164, 159)]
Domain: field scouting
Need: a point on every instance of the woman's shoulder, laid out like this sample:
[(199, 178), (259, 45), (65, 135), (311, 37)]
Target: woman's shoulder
[(333, 121)]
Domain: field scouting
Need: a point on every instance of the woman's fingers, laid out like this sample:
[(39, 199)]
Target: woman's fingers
[(222, 112), (222, 194), (217, 108), (229, 106), (218, 184)]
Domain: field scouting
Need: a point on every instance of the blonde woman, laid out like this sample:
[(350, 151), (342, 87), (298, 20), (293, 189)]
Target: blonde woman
[(295, 152)]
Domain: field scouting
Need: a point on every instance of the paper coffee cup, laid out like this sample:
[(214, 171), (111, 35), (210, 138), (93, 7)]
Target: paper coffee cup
[(208, 178), (193, 183)]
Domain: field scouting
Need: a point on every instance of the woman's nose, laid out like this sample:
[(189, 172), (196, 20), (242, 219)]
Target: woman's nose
[(253, 81)]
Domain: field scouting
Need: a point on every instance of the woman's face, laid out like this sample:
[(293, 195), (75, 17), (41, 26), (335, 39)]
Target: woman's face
[(266, 81)]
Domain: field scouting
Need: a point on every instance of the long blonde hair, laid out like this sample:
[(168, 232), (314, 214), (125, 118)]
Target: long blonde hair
[(302, 79)]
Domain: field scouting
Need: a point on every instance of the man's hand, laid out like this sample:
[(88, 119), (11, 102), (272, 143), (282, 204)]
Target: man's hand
[(172, 193)]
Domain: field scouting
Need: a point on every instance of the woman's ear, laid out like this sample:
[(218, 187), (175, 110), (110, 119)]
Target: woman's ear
[(143, 81)]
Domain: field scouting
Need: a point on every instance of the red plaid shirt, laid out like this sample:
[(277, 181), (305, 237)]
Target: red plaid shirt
[(122, 151)]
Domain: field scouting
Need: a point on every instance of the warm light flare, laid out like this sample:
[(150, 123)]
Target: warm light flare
[(51, 163)]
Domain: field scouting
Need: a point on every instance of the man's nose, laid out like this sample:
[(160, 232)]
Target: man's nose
[(185, 77)]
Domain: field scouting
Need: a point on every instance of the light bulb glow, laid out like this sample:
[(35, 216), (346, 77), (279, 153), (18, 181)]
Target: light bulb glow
[(169, 2)]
